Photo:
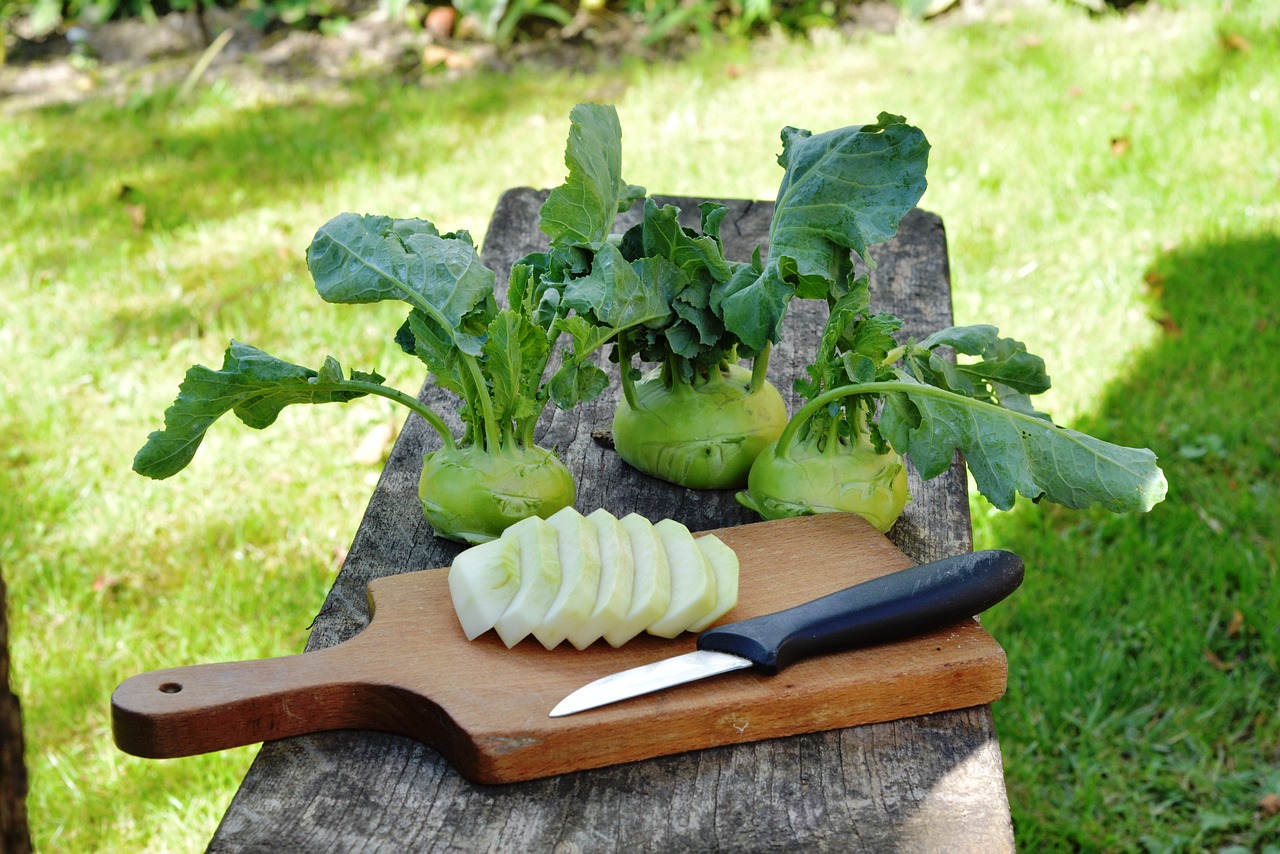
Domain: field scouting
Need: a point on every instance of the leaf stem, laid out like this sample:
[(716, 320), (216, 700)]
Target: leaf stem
[(524, 427), (813, 407), (832, 439), (760, 368), (525, 437), (471, 365), (881, 387), (428, 414), (492, 436), (628, 381)]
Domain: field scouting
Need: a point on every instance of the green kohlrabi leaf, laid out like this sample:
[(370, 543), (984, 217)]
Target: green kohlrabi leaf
[(422, 337), (521, 285), (253, 385), (587, 337), (516, 355), (1012, 452), (853, 346), (362, 259), (1003, 361), (752, 302), (697, 329), (578, 380), (621, 295), (870, 336), (683, 267), (843, 191), (582, 210), (713, 214), (699, 256)]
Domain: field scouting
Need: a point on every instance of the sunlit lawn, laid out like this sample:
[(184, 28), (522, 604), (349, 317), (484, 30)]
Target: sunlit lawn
[(1111, 189)]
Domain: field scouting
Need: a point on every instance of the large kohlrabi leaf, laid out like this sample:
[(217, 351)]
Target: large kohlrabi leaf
[(843, 191), (582, 209), (363, 259), (1010, 452), (252, 384)]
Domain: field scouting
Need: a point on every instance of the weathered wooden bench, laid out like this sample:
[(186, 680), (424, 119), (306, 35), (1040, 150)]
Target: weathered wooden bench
[(928, 783)]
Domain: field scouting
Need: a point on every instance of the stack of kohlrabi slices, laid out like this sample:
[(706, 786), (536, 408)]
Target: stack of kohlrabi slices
[(582, 578)]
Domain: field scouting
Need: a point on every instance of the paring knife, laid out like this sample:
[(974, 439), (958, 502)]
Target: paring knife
[(901, 604)]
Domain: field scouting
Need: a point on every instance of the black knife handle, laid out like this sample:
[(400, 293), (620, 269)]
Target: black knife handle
[(901, 604)]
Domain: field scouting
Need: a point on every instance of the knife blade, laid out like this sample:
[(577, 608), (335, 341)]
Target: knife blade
[(901, 604)]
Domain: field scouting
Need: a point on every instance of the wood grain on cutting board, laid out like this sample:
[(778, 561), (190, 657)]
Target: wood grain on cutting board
[(485, 707)]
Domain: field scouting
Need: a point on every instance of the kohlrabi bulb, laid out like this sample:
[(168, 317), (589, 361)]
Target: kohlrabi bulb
[(703, 436), (849, 478), (471, 495)]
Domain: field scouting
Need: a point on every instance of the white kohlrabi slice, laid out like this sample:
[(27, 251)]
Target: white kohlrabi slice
[(724, 566), (651, 586), (482, 582), (617, 574), (579, 556), (693, 584), (539, 579), (581, 579)]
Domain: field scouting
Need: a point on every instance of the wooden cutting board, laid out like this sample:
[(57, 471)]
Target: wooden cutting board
[(485, 707)]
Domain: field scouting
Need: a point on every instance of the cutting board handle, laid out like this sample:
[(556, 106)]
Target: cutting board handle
[(183, 711)]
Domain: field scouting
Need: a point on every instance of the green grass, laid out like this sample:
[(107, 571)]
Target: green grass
[(1111, 188), (1161, 630)]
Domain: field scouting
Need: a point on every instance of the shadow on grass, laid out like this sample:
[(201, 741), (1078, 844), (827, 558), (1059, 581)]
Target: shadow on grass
[(201, 163), (98, 188), (1144, 650)]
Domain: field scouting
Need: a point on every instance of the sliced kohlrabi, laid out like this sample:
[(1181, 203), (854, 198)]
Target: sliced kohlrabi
[(580, 578), (617, 573), (693, 583), (651, 587), (579, 555), (482, 582), (724, 566), (539, 582)]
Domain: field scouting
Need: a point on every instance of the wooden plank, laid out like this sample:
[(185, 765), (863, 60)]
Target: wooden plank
[(931, 783)]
